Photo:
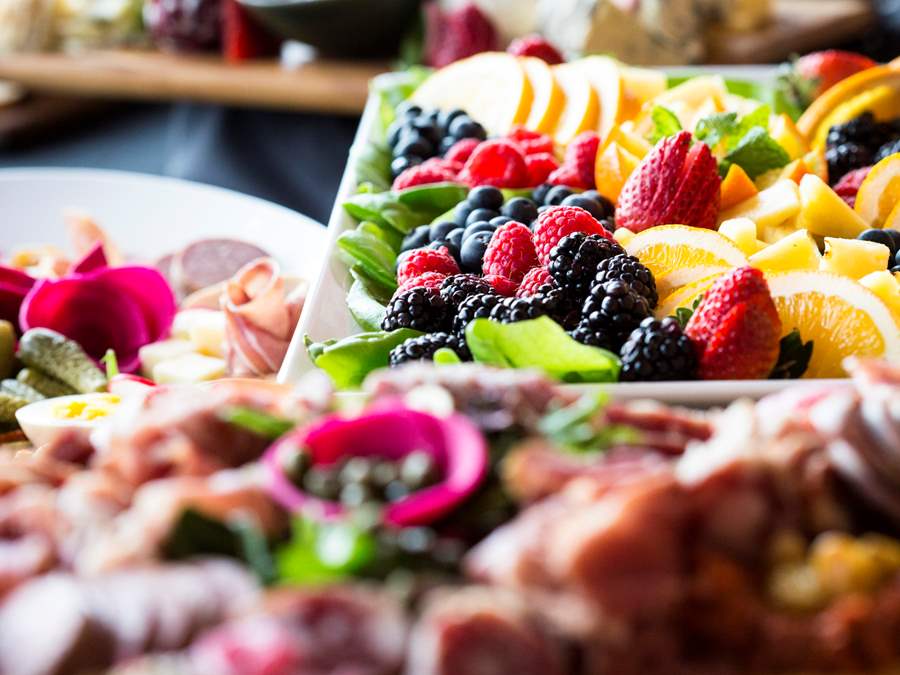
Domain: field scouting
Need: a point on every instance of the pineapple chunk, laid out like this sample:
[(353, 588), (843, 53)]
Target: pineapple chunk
[(854, 258), (788, 136), (795, 252), (189, 369), (770, 207), (824, 213), (887, 287), (153, 354), (742, 231)]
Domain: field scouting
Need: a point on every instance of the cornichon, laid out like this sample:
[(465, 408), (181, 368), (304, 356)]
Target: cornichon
[(62, 358), (47, 385), (8, 406), (7, 348), (21, 390)]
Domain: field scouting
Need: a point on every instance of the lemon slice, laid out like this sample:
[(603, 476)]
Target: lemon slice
[(671, 247), (686, 296), (676, 279), (548, 97), (879, 193), (582, 107), (492, 87), (839, 315)]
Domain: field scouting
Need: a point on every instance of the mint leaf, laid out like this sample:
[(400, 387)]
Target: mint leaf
[(543, 344), (757, 118), (756, 153), (714, 128), (793, 357), (665, 123)]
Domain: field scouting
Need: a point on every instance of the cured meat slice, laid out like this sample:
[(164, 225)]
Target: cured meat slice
[(210, 261)]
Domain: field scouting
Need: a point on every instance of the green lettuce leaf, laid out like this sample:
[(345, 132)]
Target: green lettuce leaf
[(383, 208), (371, 254), (349, 360), (366, 310)]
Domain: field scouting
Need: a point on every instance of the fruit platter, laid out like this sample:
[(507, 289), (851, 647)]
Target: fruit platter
[(609, 224)]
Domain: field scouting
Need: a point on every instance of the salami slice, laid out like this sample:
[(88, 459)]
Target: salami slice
[(211, 261)]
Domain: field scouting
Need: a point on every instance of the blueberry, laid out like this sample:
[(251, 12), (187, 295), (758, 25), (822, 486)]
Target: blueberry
[(896, 269), (440, 230), (588, 205), (521, 209), (429, 130), (609, 224), (413, 143), (455, 238), (445, 118), (500, 220), (472, 252), (418, 238), (481, 214), (895, 237), (394, 132), (465, 127), (608, 207), (540, 193), (446, 143), (449, 245), (557, 194), (486, 197), (461, 213), (407, 109), (480, 226), (543, 208), (402, 163), (880, 237), (896, 260)]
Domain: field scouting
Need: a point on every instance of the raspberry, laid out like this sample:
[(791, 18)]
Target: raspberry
[(558, 221), (462, 150), (501, 285), (582, 155), (537, 46), (536, 278), (425, 280), (423, 175), (531, 142), (848, 186), (423, 260), (510, 252), (454, 35), (497, 162), (540, 167), (567, 175), (443, 163)]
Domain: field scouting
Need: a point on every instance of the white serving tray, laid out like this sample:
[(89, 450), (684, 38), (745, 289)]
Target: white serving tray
[(326, 315)]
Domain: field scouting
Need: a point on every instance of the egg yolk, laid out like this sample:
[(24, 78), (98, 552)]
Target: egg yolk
[(89, 409)]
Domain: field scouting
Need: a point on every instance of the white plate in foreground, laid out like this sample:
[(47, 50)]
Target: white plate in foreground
[(150, 216)]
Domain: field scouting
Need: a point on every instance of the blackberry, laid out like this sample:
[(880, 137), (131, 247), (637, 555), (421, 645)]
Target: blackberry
[(418, 308), (862, 130), (423, 348), (613, 309), (575, 259), (595, 337), (474, 307), (889, 148), (458, 287), (842, 159), (629, 269), (546, 302), (657, 351)]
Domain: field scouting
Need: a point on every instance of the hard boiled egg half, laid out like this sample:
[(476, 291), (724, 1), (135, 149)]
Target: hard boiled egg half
[(79, 415)]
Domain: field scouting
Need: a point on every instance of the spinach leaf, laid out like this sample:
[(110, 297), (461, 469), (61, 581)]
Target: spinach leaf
[(383, 208), (434, 199), (371, 254), (349, 360), (365, 309)]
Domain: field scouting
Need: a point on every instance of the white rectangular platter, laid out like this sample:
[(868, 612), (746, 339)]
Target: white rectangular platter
[(326, 315)]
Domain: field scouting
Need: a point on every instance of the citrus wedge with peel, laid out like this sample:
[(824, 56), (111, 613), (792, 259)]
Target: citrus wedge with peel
[(547, 96), (613, 166), (667, 248), (581, 109), (879, 193), (685, 296), (840, 316), (492, 87), (669, 283), (883, 101)]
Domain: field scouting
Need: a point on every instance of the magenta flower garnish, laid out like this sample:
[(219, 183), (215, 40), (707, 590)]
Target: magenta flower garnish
[(456, 445), (14, 286), (119, 308)]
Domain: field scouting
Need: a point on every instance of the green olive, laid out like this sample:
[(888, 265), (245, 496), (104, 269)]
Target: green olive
[(357, 470), (322, 482)]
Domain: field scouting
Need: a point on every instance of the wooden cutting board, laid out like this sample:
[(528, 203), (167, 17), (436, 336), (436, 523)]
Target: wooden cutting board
[(330, 86)]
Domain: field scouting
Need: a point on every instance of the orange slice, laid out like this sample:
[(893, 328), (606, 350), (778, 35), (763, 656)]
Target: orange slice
[(879, 193), (736, 187), (492, 87), (605, 77), (639, 85), (785, 132), (883, 101), (667, 248), (675, 280), (548, 98), (629, 140), (582, 107), (686, 296), (613, 167)]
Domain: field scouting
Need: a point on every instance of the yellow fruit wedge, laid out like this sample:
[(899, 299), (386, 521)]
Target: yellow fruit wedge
[(623, 235), (824, 213), (685, 296), (738, 104), (783, 130), (854, 258), (797, 251), (815, 162), (605, 77), (581, 109), (548, 98), (879, 193), (736, 188), (640, 85), (770, 207), (887, 287), (612, 168), (669, 283), (492, 87), (671, 247), (892, 222), (883, 101), (629, 140), (742, 231), (839, 315)]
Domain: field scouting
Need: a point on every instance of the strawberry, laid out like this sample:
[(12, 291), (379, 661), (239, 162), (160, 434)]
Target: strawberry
[(558, 221), (582, 154), (530, 142), (848, 185), (451, 36), (675, 183), (242, 37), (423, 174), (536, 278), (496, 162), (567, 175), (510, 253), (826, 68), (736, 328), (461, 150), (422, 260), (424, 280), (502, 285), (537, 46), (540, 166)]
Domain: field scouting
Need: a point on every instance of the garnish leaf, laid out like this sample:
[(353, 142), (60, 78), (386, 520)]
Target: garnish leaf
[(256, 421), (665, 123), (349, 360), (434, 199), (756, 153), (446, 357), (793, 357), (540, 343), (373, 168), (715, 128), (384, 209), (684, 314), (366, 310), (319, 553), (111, 362), (580, 428)]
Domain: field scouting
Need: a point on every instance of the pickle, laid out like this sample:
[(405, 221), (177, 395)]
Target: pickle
[(64, 359), (21, 390), (7, 348), (47, 385), (8, 406)]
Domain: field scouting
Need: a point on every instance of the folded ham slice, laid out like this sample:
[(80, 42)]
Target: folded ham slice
[(261, 308)]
